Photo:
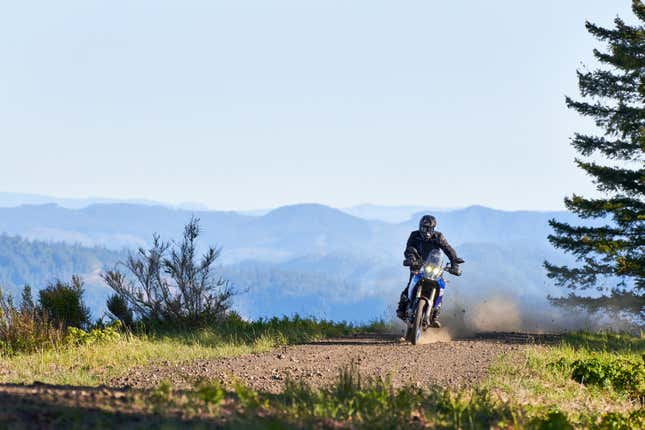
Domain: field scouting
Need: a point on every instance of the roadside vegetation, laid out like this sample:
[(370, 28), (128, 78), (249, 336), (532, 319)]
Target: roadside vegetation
[(540, 388), (586, 376), (94, 357)]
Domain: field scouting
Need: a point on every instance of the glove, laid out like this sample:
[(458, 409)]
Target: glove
[(454, 269), (412, 261)]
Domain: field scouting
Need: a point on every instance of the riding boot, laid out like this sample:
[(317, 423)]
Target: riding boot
[(434, 318), (402, 309)]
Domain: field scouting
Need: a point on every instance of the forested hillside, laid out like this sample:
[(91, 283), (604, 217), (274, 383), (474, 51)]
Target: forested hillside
[(38, 263)]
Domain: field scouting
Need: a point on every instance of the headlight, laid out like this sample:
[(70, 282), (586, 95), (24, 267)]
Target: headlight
[(432, 270)]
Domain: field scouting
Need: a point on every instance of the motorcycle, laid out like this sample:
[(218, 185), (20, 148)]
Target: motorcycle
[(425, 294)]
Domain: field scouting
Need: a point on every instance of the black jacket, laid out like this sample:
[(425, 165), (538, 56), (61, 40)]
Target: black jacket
[(423, 247)]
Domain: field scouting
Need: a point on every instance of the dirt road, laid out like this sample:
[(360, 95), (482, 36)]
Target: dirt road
[(451, 363)]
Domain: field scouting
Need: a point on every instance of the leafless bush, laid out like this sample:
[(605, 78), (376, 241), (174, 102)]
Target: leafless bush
[(169, 285)]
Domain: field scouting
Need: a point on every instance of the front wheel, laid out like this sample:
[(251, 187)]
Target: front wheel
[(417, 328)]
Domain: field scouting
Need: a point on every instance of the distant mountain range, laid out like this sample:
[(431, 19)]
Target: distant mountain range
[(392, 214), (8, 200), (315, 259), (287, 231)]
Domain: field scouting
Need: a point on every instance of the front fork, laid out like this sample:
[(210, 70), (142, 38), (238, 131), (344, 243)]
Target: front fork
[(438, 298)]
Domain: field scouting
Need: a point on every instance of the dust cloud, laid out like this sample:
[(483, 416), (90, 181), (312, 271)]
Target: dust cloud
[(512, 314), (502, 312), (498, 314), (433, 336)]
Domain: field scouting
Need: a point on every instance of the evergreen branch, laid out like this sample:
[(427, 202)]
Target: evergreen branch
[(639, 9), (582, 231), (613, 149), (603, 83), (632, 265), (621, 119), (615, 179), (578, 278), (583, 241), (624, 210), (622, 34)]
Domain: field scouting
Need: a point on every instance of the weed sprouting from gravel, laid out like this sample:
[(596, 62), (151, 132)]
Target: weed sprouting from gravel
[(368, 401), (376, 403), (211, 393)]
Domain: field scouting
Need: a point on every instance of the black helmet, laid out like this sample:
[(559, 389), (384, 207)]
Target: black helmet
[(426, 226)]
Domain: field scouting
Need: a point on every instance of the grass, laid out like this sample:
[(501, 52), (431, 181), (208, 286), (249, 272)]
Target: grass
[(544, 378), (97, 363), (92, 365)]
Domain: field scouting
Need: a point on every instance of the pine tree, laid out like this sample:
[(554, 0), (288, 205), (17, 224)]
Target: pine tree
[(614, 246), (27, 301)]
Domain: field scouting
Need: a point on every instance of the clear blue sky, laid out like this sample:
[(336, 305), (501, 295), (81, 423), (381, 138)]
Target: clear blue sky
[(250, 104)]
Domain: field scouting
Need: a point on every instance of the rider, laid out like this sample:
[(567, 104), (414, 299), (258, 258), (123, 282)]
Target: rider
[(419, 245)]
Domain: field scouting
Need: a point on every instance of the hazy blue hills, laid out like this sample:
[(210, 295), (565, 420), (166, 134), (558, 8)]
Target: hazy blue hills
[(308, 258), (392, 214), (111, 225), (481, 224), (299, 229), (38, 263), (18, 199)]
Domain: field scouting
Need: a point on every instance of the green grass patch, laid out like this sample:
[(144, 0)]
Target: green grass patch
[(625, 375), (586, 376), (619, 343), (95, 357)]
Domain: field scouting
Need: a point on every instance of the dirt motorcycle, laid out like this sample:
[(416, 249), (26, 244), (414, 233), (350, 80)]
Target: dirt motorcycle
[(425, 294)]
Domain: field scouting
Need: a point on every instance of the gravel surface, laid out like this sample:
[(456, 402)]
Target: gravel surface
[(452, 363)]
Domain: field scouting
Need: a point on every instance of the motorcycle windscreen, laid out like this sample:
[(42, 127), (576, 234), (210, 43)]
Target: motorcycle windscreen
[(435, 259), (432, 267)]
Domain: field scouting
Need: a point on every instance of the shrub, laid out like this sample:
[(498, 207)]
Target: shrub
[(616, 421), (63, 303), (171, 287), (24, 329), (76, 336), (554, 420), (210, 394), (119, 310), (27, 301), (622, 373)]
